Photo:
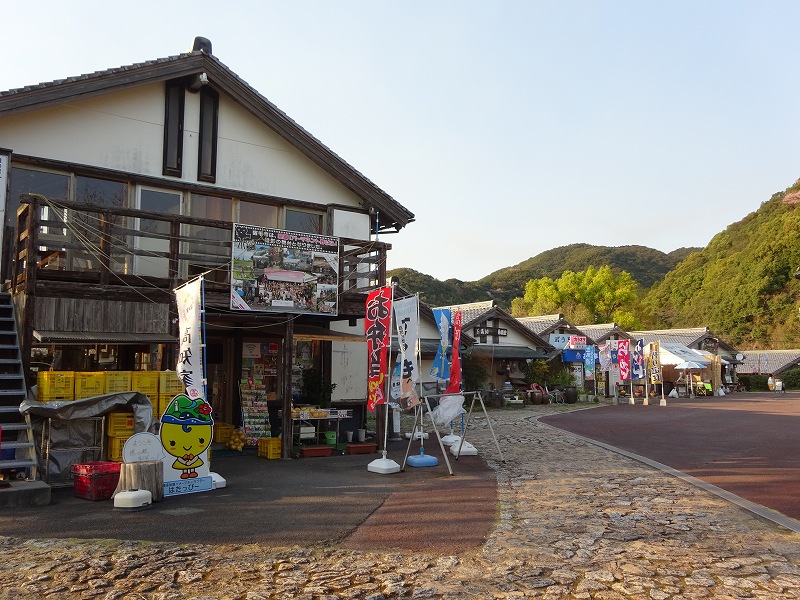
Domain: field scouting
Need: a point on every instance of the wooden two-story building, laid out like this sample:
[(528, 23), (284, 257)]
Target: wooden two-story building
[(119, 186)]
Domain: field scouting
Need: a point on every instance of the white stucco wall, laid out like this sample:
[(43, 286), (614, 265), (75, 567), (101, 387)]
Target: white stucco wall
[(124, 131), (349, 363)]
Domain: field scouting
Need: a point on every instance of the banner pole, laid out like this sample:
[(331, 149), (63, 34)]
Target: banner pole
[(203, 341), (386, 465), (388, 374)]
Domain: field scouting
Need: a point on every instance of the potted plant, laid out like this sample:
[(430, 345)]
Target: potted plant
[(563, 379), (314, 390)]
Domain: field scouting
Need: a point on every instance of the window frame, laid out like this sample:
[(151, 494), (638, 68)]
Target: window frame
[(207, 138), (173, 128)]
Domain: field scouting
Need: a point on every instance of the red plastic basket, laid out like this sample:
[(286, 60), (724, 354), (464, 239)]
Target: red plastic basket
[(95, 480)]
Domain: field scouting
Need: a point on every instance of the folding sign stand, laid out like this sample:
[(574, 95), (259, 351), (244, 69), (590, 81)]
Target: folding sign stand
[(477, 395), (419, 417)]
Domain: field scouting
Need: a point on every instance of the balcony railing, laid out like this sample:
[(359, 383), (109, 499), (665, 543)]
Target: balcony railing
[(145, 251)]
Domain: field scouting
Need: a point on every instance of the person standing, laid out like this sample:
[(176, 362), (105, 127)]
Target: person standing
[(771, 383)]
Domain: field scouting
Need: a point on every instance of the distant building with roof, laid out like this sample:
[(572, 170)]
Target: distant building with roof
[(602, 332), (766, 362), (503, 340)]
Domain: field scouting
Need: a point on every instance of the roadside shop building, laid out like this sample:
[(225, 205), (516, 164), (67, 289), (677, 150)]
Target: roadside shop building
[(119, 186)]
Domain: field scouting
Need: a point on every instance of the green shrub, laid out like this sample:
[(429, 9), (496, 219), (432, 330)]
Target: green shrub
[(754, 383), (791, 379)]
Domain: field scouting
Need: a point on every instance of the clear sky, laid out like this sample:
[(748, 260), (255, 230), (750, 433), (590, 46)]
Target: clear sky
[(509, 127)]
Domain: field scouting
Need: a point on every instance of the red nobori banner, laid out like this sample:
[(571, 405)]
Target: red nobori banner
[(624, 359), (455, 368), (377, 324)]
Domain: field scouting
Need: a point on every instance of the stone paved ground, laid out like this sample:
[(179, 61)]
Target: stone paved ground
[(575, 521)]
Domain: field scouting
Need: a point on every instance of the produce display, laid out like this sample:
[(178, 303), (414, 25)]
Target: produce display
[(237, 441)]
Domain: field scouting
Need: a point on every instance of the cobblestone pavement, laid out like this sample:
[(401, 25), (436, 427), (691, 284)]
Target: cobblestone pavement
[(574, 521)]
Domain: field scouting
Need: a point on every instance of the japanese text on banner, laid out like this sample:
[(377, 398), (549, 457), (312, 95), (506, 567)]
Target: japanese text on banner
[(377, 323), (190, 359), (624, 359), (637, 362), (406, 316), (455, 369), (655, 362)]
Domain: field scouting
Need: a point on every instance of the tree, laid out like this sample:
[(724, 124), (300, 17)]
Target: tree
[(590, 296)]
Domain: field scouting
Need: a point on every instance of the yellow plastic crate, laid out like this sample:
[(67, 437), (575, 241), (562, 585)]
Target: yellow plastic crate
[(145, 382), (163, 402), (115, 445), (55, 385), (89, 384), (222, 432), (269, 447), (117, 381), (119, 424), (169, 383)]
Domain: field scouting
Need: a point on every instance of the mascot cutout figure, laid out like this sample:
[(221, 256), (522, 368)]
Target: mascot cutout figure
[(186, 433)]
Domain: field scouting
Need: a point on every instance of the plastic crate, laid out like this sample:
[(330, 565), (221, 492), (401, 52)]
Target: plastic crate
[(119, 424), (55, 385), (222, 432), (95, 480), (117, 381), (145, 382), (269, 448), (168, 383), (89, 384), (115, 445)]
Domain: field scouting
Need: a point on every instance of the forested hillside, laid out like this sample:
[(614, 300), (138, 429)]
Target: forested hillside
[(742, 284), (645, 265)]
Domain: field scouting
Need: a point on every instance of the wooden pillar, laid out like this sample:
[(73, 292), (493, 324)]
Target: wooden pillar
[(288, 355)]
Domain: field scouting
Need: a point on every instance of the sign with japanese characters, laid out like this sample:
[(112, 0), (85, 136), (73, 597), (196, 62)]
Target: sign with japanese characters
[(655, 362), (455, 368), (276, 270), (189, 299), (624, 359), (406, 316), (377, 325)]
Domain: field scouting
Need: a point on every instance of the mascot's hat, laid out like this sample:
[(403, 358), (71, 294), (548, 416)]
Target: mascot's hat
[(182, 410)]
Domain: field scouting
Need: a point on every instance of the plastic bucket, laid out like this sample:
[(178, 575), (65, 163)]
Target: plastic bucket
[(330, 438)]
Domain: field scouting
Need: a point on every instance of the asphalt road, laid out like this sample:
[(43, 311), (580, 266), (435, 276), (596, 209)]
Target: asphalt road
[(746, 443), (297, 501)]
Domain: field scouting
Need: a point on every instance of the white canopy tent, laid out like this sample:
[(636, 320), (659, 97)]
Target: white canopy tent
[(673, 354)]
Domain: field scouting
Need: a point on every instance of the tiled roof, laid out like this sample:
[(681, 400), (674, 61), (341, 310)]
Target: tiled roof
[(546, 324), (476, 312), (472, 311), (687, 337), (191, 63), (768, 361), (600, 332)]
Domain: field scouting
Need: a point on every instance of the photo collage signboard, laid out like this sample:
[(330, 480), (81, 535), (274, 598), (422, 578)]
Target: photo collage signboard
[(284, 271)]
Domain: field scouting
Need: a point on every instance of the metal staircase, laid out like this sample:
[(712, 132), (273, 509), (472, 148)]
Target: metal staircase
[(15, 428)]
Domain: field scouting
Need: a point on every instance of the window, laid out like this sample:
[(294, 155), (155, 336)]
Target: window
[(173, 129), (207, 151), (154, 234), (296, 220), (253, 213), (54, 186), (85, 227), (210, 247)]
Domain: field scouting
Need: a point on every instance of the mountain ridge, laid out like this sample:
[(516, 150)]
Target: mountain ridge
[(646, 265)]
